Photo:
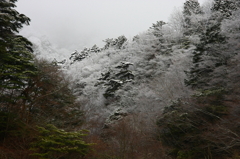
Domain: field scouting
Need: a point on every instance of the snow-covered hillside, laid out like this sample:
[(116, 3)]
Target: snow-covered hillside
[(158, 70)]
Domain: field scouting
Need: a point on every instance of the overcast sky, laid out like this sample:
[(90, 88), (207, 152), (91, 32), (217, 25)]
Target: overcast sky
[(73, 24)]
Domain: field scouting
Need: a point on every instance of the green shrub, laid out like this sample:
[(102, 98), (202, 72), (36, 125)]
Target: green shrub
[(53, 143), (189, 131)]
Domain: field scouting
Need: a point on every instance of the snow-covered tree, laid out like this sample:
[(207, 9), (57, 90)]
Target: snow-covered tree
[(113, 80), (157, 28), (76, 56), (212, 51), (176, 25), (115, 43), (224, 7), (191, 8), (95, 49)]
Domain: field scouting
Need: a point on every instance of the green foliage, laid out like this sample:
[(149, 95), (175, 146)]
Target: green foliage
[(187, 129), (213, 99), (217, 110), (180, 132), (54, 143), (16, 62), (211, 92), (177, 123)]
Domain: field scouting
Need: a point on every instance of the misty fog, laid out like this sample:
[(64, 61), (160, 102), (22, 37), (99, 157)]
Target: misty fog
[(74, 24)]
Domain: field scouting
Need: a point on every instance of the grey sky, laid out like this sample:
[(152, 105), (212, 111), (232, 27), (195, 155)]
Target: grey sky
[(73, 24)]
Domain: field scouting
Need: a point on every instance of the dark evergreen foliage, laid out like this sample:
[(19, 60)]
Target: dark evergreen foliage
[(225, 7), (113, 80), (55, 143), (115, 43), (201, 122), (76, 56), (16, 62)]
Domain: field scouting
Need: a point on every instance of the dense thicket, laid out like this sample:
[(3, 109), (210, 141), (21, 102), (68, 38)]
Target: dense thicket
[(34, 93), (170, 92), (16, 62), (201, 126)]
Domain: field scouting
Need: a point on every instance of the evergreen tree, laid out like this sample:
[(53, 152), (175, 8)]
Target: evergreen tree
[(16, 62), (211, 52), (190, 9), (120, 41), (224, 7), (114, 80), (76, 56), (207, 56), (115, 43), (56, 143), (157, 28), (95, 49), (108, 43)]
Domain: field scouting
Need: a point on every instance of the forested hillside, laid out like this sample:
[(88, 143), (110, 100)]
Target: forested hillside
[(172, 91)]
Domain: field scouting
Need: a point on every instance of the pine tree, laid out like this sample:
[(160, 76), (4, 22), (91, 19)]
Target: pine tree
[(207, 56), (56, 143), (115, 79), (210, 53), (190, 9), (16, 62), (157, 28), (95, 49), (224, 7), (115, 43)]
